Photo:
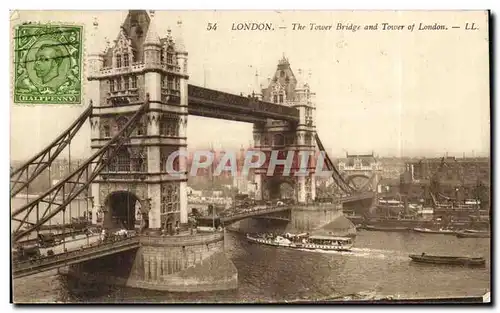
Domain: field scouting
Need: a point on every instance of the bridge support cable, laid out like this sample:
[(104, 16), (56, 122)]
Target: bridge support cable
[(77, 181), (25, 174), (337, 177)]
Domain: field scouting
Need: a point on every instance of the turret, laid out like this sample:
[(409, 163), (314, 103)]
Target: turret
[(152, 56), (257, 87), (180, 48), (182, 62), (95, 61), (152, 45)]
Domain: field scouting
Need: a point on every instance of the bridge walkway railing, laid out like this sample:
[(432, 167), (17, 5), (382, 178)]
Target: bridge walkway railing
[(72, 256), (252, 212)]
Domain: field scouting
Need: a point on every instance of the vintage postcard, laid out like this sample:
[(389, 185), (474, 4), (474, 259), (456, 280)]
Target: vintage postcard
[(250, 156)]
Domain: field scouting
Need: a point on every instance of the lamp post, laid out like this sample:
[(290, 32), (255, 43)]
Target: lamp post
[(147, 207), (87, 230), (91, 198)]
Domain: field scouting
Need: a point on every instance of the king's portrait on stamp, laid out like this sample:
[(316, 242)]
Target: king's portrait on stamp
[(48, 64)]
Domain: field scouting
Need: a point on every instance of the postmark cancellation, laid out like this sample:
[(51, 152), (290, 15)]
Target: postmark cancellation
[(48, 64)]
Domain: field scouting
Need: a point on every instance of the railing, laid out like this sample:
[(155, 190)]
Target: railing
[(170, 91), (355, 197), (253, 212), (73, 255), (124, 93), (188, 240), (137, 67)]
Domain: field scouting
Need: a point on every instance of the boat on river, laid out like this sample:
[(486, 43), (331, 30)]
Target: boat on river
[(448, 260), (387, 229), (304, 241), (473, 235), (435, 231), (474, 231)]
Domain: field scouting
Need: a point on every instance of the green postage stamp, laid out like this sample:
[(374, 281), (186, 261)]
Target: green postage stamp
[(48, 64)]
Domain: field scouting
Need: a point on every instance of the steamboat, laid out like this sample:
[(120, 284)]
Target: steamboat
[(304, 241)]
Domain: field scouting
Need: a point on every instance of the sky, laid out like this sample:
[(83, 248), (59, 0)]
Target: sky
[(397, 93)]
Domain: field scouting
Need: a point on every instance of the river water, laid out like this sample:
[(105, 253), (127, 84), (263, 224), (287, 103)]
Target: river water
[(379, 264)]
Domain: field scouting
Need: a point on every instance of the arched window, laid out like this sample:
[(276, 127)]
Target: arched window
[(118, 61), (265, 140), (169, 127), (121, 122), (141, 129), (122, 161), (275, 98), (278, 140), (170, 58), (126, 83), (106, 131), (140, 164), (170, 82), (281, 98), (125, 60), (170, 199), (308, 139)]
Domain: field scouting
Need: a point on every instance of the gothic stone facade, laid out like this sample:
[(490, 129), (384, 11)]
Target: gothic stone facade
[(287, 89), (140, 64)]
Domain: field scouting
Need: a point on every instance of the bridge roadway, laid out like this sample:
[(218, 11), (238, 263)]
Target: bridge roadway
[(85, 253), (98, 249), (255, 211), (356, 197), (262, 210)]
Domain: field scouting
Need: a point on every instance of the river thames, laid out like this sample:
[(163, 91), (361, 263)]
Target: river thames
[(378, 264)]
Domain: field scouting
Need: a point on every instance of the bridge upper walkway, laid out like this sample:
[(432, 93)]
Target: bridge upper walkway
[(85, 253)]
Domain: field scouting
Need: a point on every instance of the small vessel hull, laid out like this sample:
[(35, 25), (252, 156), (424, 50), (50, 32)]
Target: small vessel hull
[(431, 231), (308, 246), (386, 229), (448, 260), (473, 231), (473, 235)]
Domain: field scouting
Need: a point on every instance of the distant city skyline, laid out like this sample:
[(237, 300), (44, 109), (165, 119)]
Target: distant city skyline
[(78, 159), (376, 91)]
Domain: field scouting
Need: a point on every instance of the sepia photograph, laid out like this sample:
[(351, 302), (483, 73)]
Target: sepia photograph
[(250, 157)]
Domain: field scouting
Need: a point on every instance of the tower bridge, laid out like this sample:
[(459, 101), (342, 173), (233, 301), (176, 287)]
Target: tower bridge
[(140, 101), (362, 171)]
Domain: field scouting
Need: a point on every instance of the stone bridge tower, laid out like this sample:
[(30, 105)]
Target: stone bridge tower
[(140, 65), (280, 137), (362, 171)]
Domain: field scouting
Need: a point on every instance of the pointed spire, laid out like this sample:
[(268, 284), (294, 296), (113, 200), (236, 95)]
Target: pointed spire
[(257, 86), (302, 82), (283, 60), (300, 79), (169, 35), (179, 41), (108, 45), (152, 37), (94, 43)]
